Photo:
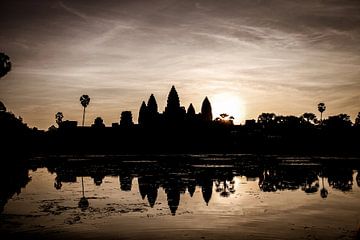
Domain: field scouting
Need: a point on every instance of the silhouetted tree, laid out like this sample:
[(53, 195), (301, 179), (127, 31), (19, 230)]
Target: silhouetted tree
[(266, 119), (206, 111), (338, 121), (98, 122), (59, 117), (2, 107), (310, 118), (321, 108), (5, 64), (225, 119), (126, 119), (143, 114), (84, 100), (357, 120), (52, 128), (287, 121)]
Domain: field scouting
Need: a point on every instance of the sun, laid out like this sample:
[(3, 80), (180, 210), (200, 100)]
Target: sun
[(228, 103)]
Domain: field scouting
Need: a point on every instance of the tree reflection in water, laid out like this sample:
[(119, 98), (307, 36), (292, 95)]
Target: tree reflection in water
[(176, 177), (83, 203)]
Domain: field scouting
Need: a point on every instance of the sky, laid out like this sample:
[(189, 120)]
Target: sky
[(247, 56)]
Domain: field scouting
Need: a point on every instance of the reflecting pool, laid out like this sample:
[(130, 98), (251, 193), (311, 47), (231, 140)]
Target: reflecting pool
[(181, 197)]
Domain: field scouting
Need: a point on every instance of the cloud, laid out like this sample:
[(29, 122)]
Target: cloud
[(277, 55), (73, 11)]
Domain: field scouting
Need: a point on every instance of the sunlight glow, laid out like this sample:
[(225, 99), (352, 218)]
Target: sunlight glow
[(228, 103)]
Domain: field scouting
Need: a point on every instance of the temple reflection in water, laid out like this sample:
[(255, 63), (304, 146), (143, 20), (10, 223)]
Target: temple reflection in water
[(183, 176)]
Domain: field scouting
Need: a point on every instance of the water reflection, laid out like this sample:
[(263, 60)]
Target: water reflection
[(12, 179), (177, 177)]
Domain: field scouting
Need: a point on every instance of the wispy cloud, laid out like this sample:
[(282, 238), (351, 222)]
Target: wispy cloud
[(278, 55)]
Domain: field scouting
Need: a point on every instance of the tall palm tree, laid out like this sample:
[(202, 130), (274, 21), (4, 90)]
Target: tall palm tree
[(321, 108), (84, 100)]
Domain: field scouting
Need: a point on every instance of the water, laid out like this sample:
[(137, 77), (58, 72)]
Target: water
[(182, 197)]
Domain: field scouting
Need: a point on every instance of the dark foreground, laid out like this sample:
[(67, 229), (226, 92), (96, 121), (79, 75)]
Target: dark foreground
[(181, 197)]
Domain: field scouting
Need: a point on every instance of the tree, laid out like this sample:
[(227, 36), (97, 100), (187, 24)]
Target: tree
[(5, 64), (266, 119), (287, 121), (357, 121), (2, 107), (321, 108), (206, 111), (126, 119), (59, 117), (338, 121), (52, 128), (225, 119), (310, 118), (98, 122), (84, 100)]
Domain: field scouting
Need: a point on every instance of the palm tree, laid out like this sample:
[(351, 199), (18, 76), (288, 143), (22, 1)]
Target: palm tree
[(321, 108), (5, 64), (84, 100), (59, 117)]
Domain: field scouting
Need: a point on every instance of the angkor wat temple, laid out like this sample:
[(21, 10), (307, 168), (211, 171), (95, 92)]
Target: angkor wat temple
[(177, 130), (174, 113)]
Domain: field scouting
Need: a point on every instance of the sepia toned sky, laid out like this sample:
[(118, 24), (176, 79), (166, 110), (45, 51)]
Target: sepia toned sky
[(247, 56)]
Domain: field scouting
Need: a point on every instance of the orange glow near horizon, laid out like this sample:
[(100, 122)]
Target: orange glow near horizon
[(228, 103)]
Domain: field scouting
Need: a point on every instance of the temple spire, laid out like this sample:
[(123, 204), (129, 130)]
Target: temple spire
[(206, 111)]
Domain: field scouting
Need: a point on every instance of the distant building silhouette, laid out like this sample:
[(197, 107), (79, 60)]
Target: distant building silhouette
[(152, 105), (191, 187), (190, 114), (206, 184), (174, 113), (206, 111), (152, 111), (173, 198), (125, 182), (126, 119), (143, 114)]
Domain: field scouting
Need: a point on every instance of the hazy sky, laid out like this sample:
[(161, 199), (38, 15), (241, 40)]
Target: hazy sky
[(248, 57)]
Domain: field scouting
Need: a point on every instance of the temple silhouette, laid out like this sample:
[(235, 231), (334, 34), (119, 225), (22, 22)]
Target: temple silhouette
[(181, 130), (174, 114)]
